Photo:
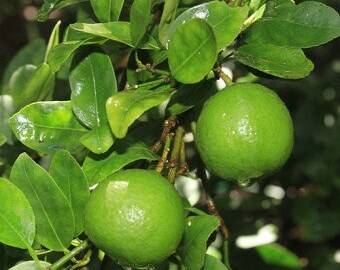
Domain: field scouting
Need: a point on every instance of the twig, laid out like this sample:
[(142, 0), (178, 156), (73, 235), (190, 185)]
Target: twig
[(167, 126), (220, 74), (183, 165), (164, 157), (173, 164), (59, 263)]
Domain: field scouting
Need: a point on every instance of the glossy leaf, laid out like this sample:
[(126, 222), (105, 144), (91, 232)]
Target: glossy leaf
[(92, 82), (225, 21), (98, 167), (196, 233), (51, 5), (6, 111), (98, 140), (305, 25), (63, 51), (212, 263), (192, 51), (139, 20), (168, 16), (52, 211), (107, 10), (72, 181), (117, 31), (48, 126), (30, 265), (54, 39), (283, 62), (32, 54), (125, 107), (17, 222), (275, 254)]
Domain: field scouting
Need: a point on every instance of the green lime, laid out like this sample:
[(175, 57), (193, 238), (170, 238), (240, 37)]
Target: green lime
[(244, 132), (136, 217)]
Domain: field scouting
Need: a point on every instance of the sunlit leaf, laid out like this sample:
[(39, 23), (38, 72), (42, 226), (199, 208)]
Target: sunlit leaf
[(6, 111), (196, 233), (225, 21), (305, 25), (54, 39), (17, 222), (107, 10), (212, 263), (98, 167), (192, 51), (70, 178), (48, 126), (117, 31), (283, 62), (92, 82), (98, 140), (52, 211), (125, 107)]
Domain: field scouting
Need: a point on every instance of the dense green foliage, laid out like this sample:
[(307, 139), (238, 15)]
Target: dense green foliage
[(90, 88)]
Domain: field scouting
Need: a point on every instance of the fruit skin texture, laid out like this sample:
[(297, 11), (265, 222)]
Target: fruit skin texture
[(244, 132), (136, 217)]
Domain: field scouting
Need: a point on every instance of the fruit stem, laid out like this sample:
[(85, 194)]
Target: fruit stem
[(173, 165), (67, 257)]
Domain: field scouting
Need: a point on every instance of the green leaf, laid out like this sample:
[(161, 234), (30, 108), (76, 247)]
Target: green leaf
[(6, 111), (196, 233), (3, 139), (33, 54), (225, 21), (275, 254), (283, 62), (30, 265), (188, 95), (98, 167), (63, 51), (48, 126), (168, 16), (212, 263), (117, 31), (125, 107), (305, 25), (92, 82), (107, 10), (72, 181), (17, 223), (192, 51), (54, 40), (98, 140), (139, 19), (29, 84), (51, 5), (53, 214)]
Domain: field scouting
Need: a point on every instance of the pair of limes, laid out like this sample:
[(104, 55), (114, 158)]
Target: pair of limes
[(136, 216)]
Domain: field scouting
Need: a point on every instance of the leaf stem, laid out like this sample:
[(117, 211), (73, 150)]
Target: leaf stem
[(173, 165), (67, 257), (34, 256), (149, 67)]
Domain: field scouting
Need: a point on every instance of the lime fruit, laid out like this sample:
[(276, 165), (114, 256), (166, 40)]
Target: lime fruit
[(136, 217), (244, 132)]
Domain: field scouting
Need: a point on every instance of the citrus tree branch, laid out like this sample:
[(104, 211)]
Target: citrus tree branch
[(174, 158)]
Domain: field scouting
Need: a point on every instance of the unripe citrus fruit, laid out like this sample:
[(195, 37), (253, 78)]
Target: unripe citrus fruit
[(244, 132), (136, 217)]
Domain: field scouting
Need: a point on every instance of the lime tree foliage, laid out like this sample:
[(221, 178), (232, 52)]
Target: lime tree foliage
[(98, 123)]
